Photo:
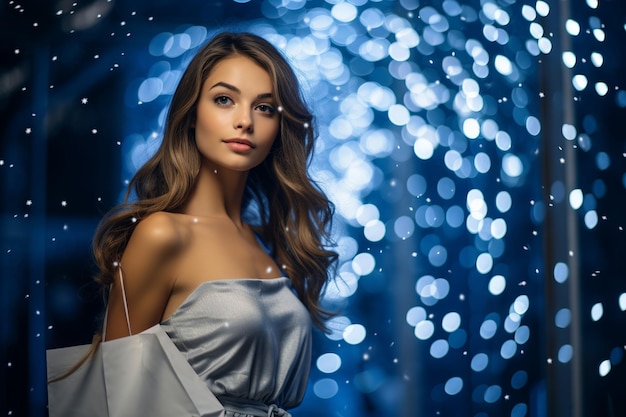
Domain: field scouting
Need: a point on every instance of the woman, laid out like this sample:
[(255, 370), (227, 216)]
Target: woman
[(230, 174)]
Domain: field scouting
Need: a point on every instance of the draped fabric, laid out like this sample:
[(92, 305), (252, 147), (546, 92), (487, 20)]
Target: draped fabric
[(249, 340)]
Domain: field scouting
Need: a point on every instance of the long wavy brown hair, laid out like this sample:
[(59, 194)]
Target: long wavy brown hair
[(292, 214)]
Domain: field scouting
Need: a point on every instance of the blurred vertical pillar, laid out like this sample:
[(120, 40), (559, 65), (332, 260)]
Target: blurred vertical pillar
[(564, 394), (37, 238), (405, 270)]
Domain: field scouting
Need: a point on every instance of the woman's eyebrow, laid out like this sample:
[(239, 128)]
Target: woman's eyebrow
[(237, 90), (227, 86)]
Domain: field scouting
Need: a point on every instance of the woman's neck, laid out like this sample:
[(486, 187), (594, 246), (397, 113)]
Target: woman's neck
[(216, 193)]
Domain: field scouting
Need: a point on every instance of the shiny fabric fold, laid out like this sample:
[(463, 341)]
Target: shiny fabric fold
[(248, 339), (237, 407)]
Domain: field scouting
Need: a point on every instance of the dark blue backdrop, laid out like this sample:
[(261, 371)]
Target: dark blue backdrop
[(474, 151)]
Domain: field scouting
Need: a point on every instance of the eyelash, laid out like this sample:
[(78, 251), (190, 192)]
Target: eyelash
[(219, 100), (225, 101), (268, 109)]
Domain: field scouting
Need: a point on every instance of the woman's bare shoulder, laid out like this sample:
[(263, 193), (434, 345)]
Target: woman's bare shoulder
[(147, 268), (156, 240), (159, 232)]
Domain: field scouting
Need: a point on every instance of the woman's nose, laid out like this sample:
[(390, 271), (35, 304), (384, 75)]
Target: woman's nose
[(243, 120)]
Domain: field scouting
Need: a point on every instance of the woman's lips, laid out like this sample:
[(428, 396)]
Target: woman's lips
[(239, 145)]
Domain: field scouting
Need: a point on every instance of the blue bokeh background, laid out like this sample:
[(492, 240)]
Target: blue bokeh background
[(473, 148)]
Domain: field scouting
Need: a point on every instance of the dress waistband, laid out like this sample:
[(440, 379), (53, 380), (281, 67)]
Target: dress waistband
[(251, 407)]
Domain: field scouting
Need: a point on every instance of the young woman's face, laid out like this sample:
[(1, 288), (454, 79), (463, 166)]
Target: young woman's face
[(237, 119)]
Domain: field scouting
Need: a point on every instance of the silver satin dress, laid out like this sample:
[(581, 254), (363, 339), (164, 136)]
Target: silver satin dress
[(250, 340)]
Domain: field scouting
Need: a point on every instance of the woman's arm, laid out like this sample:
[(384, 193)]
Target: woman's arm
[(146, 265)]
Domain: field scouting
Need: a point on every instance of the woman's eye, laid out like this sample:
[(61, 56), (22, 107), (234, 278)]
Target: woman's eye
[(265, 108), (222, 100)]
